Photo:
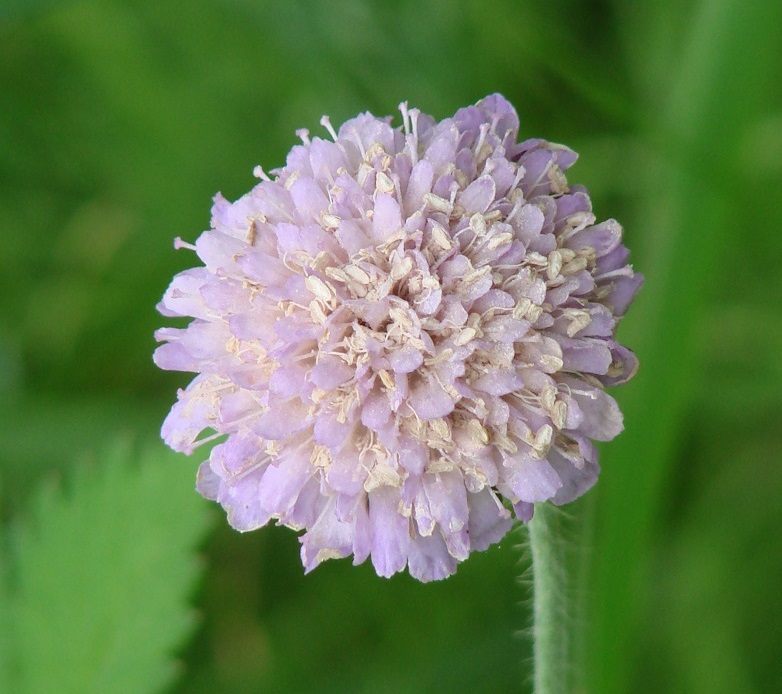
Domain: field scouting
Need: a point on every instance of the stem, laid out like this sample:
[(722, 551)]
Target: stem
[(554, 602)]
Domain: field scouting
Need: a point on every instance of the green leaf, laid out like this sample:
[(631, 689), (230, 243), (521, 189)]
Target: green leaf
[(102, 573)]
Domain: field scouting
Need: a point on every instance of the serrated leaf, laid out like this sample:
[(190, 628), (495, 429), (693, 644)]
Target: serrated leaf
[(102, 575)]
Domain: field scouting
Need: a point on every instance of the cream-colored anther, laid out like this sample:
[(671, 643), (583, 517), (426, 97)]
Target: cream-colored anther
[(534, 312), (330, 221), (437, 203), (552, 362), (383, 183), (319, 288), (317, 312), (554, 264), (357, 274), (535, 258), (401, 268), (579, 319), (559, 414), (478, 432), (387, 379), (574, 266), (465, 336), (499, 240), (542, 441), (548, 396), (441, 238), (478, 224), (520, 309)]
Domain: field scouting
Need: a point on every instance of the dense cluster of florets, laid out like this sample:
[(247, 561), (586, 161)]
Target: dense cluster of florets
[(404, 338)]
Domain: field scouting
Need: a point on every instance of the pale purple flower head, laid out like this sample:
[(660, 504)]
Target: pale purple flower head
[(404, 338)]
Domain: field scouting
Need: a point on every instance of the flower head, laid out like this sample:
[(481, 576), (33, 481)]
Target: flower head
[(404, 337)]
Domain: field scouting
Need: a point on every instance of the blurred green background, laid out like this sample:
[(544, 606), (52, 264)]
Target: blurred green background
[(119, 119)]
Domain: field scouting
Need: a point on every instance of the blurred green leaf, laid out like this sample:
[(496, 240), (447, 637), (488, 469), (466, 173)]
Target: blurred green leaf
[(694, 114), (5, 635), (712, 612), (101, 576), (39, 433)]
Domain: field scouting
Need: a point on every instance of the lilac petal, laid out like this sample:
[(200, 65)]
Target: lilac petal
[(283, 420), (442, 148), (281, 483), (353, 236), (207, 482), (376, 411), (289, 380), (220, 251), (309, 199), (331, 372), (329, 431), (362, 532), (603, 237), (419, 184), (575, 482), (390, 532), (505, 328), (205, 340), (406, 360), (239, 455), (326, 158), (233, 218), (623, 292), (533, 480), (614, 260), (243, 506), (413, 455), (524, 511), (587, 356), (264, 269), (226, 296), (490, 521), (174, 357), (429, 559), (387, 219), (500, 111), (498, 382), (366, 130), (478, 195), (346, 475), (183, 296), (602, 417), (494, 298), (253, 325), (308, 507), (193, 412), (447, 500), (429, 400), (328, 538), (529, 223), (504, 174), (624, 365)]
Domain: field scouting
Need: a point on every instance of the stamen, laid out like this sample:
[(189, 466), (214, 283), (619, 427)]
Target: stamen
[(180, 244), (258, 172), (326, 123), (405, 117)]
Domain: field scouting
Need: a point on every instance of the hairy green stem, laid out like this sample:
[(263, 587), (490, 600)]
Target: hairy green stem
[(554, 602)]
